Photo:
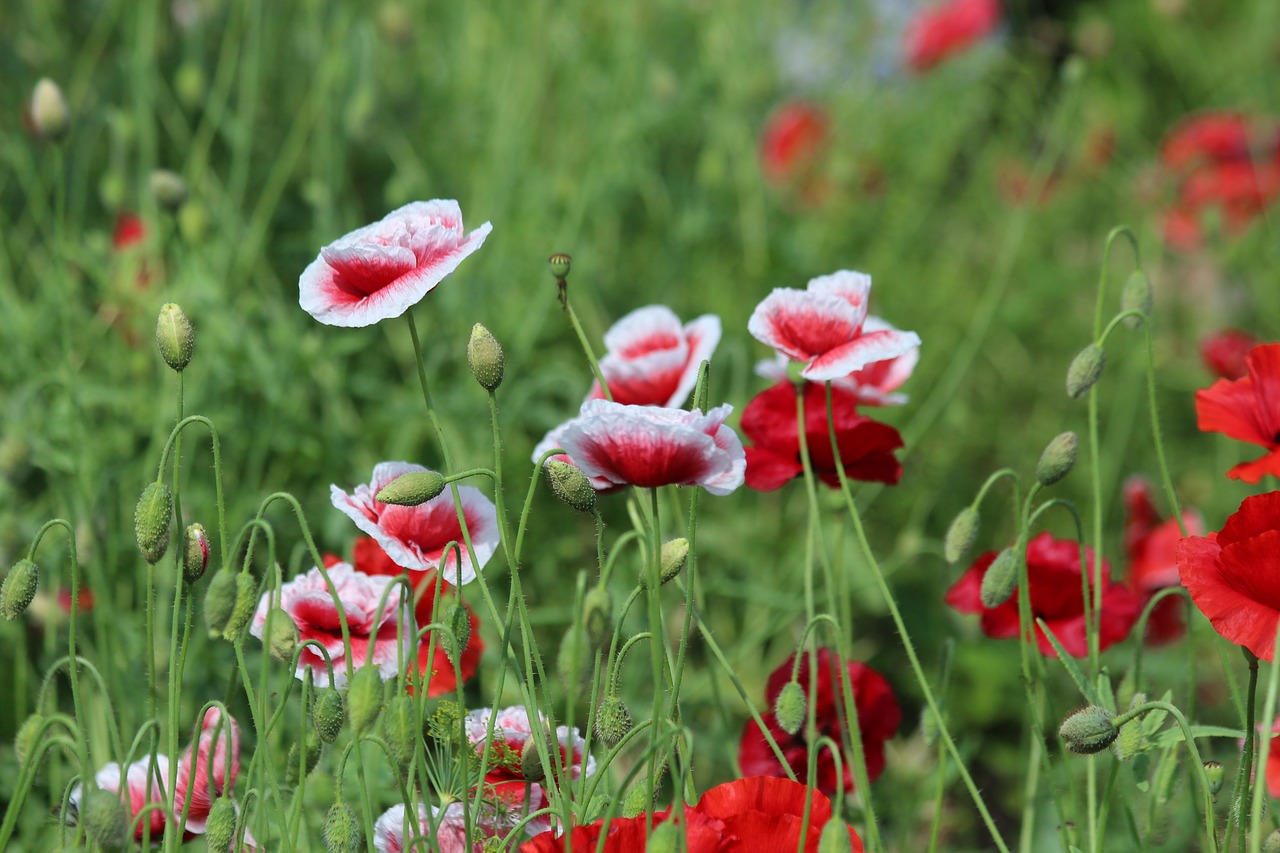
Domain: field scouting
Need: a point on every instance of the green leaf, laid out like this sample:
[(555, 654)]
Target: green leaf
[(1173, 736)]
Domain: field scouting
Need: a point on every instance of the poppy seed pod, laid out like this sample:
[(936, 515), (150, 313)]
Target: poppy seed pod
[(195, 552), (104, 819), (364, 699), (246, 602), (1136, 296), (220, 826), (1089, 730), (49, 112), (485, 358), (151, 521), (789, 707), (560, 264), (400, 725), (412, 489), (835, 837), (219, 601), (1001, 578), (961, 534), (1058, 458), (613, 720), (597, 617), (570, 485), (168, 189), (328, 715), (1085, 369), (341, 830), (1215, 774), (175, 338), (18, 589)]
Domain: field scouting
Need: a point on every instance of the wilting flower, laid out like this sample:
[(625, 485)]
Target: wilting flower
[(878, 719), (650, 446), (1223, 353), (1053, 573), (384, 269), (769, 420), (952, 26), (1151, 547), (652, 360), (493, 820), (793, 139), (873, 385), (512, 729), (386, 626), (1247, 409), (1234, 575), (824, 326), (416, 536)]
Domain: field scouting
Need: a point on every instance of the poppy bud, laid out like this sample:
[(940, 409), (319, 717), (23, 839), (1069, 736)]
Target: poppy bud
[(460, 623), (104, 819), (24, 742), (297, 767), (412, 489), (49, 112), (364, 699), (1084, 370), (571, 660), (175, 338), (1136, 296), (637, 799), (531, 766), (835, 837), (613, 720), (283, 640), (328, 715), (665, 838), (18, 589), (560, 263), (195, 552), (1272, 844), (789, 707), (246, 602), (1000, 579), (597, 610), (151, 521), (1089, 730), (961, 534), (400, 725), (671, 560), (219, 601), (341, 831), (168, 189), (1058, 458), (220, 826), (570, 485), (485, 358)]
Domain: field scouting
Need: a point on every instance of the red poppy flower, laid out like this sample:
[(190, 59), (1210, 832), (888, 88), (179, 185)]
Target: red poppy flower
[(1151, 547), (1223, 353), (874, 385), (824, 326), (384, 269), (1273, 760), (84, 599), (1207, 136), (129, 230), (878, 719), (1053, 572), (653, 360), (1234, 575), (1247, 409), (951, 27), (793, 138), (769, 420)]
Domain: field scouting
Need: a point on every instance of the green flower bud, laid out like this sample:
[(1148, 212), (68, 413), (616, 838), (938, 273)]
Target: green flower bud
[(412, 489), (104, 819), (460, 622), (637, 799), (195, 552), (328, 715), (1136, 296), (485, 358), (303, 757), (341, 830), (1001, 577), (151, 521), (835, 837), (49, 113), (531, 766), (245, 604), (400, 725), (1084, 370), (1216, 774), (574, 660), (790, 707), (671, 560), (175, 338), (961, 534), (364, 699), (1272, 844), (283, 640), (570, 485), (1058, 458), (219, 601), (220, 826), (665, 838), (168, 189), (597, 617), (560, 263), (189, 86), (613, 720), (1089, 730), (24, 743), (18, 589)]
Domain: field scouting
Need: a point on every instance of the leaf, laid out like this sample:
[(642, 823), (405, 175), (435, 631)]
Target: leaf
[(1069, 664), (1171, 737)]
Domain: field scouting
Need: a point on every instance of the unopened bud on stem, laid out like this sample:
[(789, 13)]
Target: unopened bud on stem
[(789, 707), (246, 603), (1001, 577), (485, 357), (18, 589), (219, 601), (1058, 458), (570, 485), (613, 720), (195, 552), (1089, 730), (1084, 370), (151, 521), (175, 338), (49, 112), (364, 699), (412, 489), (341, 830), (328, 715), (961, 534), (1136, 296)]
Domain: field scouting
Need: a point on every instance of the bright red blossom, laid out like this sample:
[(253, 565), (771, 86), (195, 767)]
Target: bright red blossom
[(1150, 545), (951, 27), (1247, 409), (1224, 352), (793, 138)]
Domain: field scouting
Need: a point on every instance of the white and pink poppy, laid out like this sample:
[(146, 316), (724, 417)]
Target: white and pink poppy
[(493, 820), (873, 385), (385, 625), (416, 537), (650, 446), (652, 360), (825, 327), (383, 269)]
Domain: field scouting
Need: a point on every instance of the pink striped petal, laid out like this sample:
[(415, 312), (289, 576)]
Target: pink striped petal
[(804, 325), (852, 287), (858, 353), (652, 360)]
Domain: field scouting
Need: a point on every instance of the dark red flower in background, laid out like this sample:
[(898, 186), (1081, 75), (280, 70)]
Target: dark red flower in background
[(769, 420), (1053, 572), (1247, 409), (951, 27), (794, 138), (1223, 353), (878, 718), (1234, 575), (1150, 545)]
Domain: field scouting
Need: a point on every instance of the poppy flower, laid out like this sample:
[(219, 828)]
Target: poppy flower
[(416, 536), (824, 326), (1247, 409), (1150, 545), (652, 360), (1053, 572), (384, 269), (512, 729), (951, 27), (386, 626), (769, 421), (1206, 136), (1234, 575), (793, 139), (878, 718), (493, 820), (651, 446), (1223, 353), (874, 385), (1272, 771)]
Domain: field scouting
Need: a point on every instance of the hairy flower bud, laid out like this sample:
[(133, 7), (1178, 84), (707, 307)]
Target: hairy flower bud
[(175, 338), (242, 610), (151, 521), (1058, 458), (1272, 842), (613, 720), (364, 699), (531, 766), (1084, 370), (328, 715), (195, 552), (400, 725), (168, 189), (574, 659), (835, 837), (220, 826), (1089, 730), (961, 534), (671, 559), (560, 263), (412, 489), (1130, 740), (485, 358), (303, 757), (570, 485), (283, 640), (637, 799), (341, 830), (597, 617), (18, 589), (24, 743), (460, 623), (790, 706), (1136, 296), (104, 819), (49, 112), (1001, 577), (219, 601)]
